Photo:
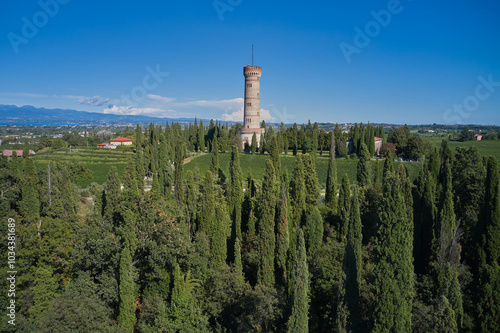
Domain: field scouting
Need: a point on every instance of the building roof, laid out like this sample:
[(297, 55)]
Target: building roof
[(121, 140), (378, 139)]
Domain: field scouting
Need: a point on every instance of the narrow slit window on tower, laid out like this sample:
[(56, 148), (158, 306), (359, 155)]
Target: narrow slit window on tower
[(249, 85), (249, 104)]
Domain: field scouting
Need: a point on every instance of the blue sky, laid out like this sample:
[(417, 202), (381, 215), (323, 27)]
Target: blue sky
[(421, 62)]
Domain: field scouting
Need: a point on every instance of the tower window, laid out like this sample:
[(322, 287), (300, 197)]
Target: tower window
[(249, 85), (249, 104)]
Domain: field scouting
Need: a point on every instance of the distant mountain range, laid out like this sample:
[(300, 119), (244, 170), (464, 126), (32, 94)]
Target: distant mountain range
[(30, 115)]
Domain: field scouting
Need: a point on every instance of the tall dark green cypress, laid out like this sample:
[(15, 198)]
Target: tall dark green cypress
[(207, 205), (29, 205), (363, 173), (492, 209), (218, 239), (282, 236), (310, 181), (112, 193), (235, 195), (331, 185), (393, 261), (266, 227), (254, 144), (14, 164), (299, 319), (351, 267), (126, 317), (344, 207)]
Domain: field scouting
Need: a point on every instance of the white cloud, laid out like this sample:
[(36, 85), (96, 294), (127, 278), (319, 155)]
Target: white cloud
[(93, 101), (152, 112), (160, 98)]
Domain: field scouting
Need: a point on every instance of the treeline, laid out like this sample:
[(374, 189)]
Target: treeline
[(227, 252)]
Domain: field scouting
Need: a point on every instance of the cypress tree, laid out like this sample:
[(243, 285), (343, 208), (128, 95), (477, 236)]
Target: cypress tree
[(112, 193), (298, 191), (311, 181), (26, 149), (254, 144), (201, 136), (214, 161), (191, 202), (492, 209), (207, 209), (164, 167), (179, 153), (14, 164), (131, 192), (266, 227), (344, 206), (238, 266), (425, 215), (275, 156), (299, 318), (371, 145), (155, 188), (313, 230), (331, 184), (444, 317), (262, 145), (388, 165), (315, 142), (393, 271), (219, 233), (447, 219), (282, 236), (235, 195), (363, 173), (126, 317), (29, 205)]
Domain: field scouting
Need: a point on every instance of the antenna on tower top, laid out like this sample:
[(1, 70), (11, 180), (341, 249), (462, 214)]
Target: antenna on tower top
[(252, 54)]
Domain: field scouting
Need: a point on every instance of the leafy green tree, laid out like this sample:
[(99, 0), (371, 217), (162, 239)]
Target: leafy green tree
[(131, 193), (267, 238), (299, 317)]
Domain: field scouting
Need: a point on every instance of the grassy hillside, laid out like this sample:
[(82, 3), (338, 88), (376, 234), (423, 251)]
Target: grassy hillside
[(99, 161), (485, 147), (257, 164)]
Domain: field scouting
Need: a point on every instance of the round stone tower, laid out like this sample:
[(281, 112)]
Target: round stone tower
[(251, 118)]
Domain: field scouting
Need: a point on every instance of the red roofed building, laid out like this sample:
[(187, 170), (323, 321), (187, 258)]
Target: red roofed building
[(9, 153), (121, 142)]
